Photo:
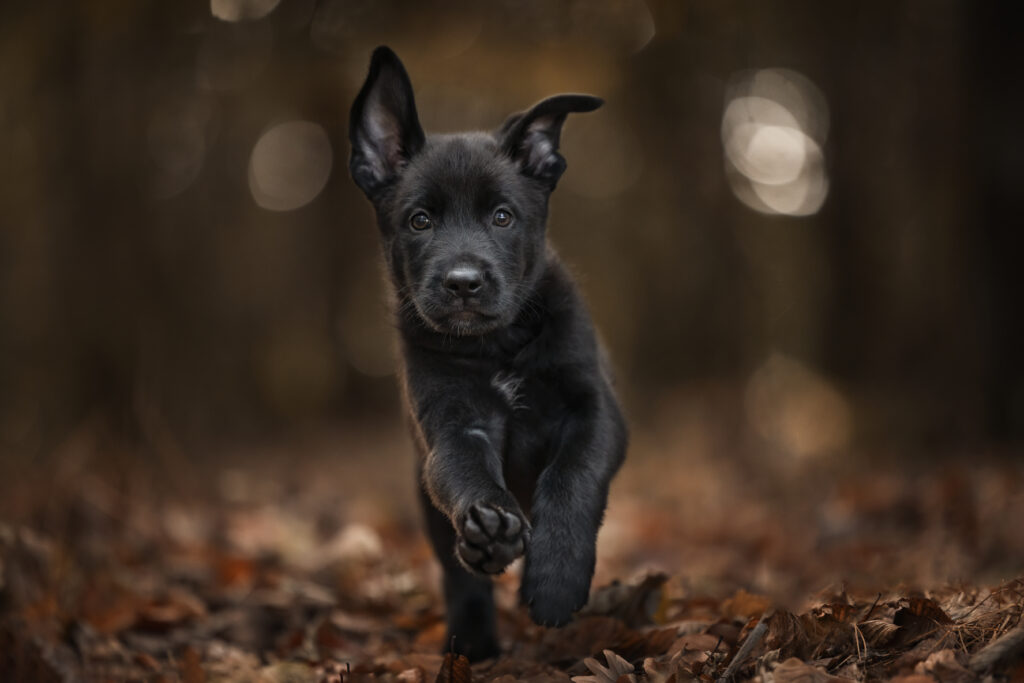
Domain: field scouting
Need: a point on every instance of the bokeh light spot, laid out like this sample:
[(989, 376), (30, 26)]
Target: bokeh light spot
[(241, 10), (176, 138), (773, 130), (290, 165), (793, 407)]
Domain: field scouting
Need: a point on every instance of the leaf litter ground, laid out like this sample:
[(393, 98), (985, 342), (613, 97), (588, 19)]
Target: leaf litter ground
[(306, 562)]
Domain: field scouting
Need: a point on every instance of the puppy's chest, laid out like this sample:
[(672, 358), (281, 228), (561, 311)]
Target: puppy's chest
[(534, 409), (526, 396), (509, 386)]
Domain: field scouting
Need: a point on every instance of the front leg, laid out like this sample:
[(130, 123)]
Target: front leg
[(568, 506), (462, 474)]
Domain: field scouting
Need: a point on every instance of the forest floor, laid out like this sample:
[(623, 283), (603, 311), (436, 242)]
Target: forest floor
[(305, 561)]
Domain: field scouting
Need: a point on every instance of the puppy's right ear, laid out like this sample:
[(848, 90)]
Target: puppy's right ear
[(383, 127)]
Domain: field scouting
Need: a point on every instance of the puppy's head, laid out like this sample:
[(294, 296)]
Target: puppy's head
[(462, 216)]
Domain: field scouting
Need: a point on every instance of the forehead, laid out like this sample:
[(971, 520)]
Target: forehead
[(459, 168)]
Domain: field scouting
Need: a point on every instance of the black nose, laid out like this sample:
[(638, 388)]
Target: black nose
[(464, 281)]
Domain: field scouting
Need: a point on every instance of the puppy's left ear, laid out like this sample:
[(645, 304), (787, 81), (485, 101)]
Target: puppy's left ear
[(531, 137), (383, 127)]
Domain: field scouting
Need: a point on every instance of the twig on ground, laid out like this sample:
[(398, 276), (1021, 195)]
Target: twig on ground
[(748, 645), (1009, 644)]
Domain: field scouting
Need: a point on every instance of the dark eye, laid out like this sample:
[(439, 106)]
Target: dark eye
[(502, 218), (420, 221)]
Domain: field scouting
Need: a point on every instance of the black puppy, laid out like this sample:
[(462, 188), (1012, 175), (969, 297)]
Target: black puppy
[(513, 413)]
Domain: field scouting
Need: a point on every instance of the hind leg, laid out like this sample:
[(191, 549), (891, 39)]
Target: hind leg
[(469, 598)]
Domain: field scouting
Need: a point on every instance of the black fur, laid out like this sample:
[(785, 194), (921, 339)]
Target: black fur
[(515, 420)]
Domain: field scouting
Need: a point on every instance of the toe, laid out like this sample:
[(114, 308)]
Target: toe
[(512, 525), (473, 533), (469, 553), (488, 518)]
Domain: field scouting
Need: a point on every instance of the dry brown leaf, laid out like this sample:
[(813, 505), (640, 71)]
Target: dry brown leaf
[(170, 610), (729, 631), (661, 670), (191, 670), (669, 669), (908, 659), (794, 671), (108, 609), (918, 619), (786, 634), (146, 661), (927, 608), (413, 675), (288, 672), (454, 669), (236, 572), (583, 637), (639, 644), (695, 642), (945, 667), (745, 605), (545, 677), (430, 663), (617, 670), (826, 634), (878, 632), (509, 669), (636, 603), (329, 639), (431, 637)]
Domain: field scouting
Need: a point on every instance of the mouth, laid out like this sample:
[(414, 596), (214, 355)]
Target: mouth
[(462, 321), (467, 316), (467, 322)]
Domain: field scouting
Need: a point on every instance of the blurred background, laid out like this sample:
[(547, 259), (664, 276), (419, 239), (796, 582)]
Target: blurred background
[(796, 224), (808, 205)]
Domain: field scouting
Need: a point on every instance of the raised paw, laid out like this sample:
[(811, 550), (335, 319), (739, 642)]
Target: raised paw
[(490, 537)]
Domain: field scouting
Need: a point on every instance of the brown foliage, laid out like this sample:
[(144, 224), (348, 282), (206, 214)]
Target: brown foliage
[(197, 590)]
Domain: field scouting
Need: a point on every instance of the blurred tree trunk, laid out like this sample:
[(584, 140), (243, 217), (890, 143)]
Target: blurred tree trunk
[(995, 108)]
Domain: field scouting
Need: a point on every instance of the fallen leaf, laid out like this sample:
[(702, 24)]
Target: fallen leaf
[(236, 572), (945, 667), (617, 669), (728, 631), (639, 644), (582, 638), (667, 670), (878, 632), (795, 671), (329, 639), (109, 609), (413, 675), (786, 634), (172, 609), (635, 604), (918, 619), (695, 642), (454, 669), (191, 669), (826, 634), (146, 661), (746, 605), (927, 608), (288, 672)]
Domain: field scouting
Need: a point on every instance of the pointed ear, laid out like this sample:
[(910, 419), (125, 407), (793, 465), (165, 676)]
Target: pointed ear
[(383, 127), (531, 137)]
